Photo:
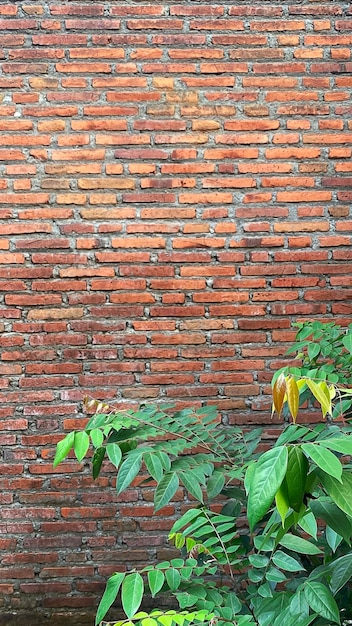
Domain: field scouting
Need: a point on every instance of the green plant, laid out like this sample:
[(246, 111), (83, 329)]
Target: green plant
[(292, 564), (325, 353)]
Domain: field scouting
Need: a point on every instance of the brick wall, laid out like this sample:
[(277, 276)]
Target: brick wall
[(175, 190)]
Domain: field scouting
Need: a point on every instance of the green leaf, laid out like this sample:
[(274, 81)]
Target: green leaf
[(258, 560), (188, 517), (341, 572), (268, 609), (313, 350), (308, 523), (297, 544), (264, 543), (114, 453), (81, 445), (323, 508), (339, 444), (324, 459), (149, 621), (340, 492), (274, 575), (97, 437), (154, 466), (165, 490), (267, 477), (347, 342), (299, 608), (128, 471), (173, 578), (333, 539), (233, 602), (286, 562), (97, 461), (190, 482), (63, 448), (155, 581), (250, 471), (321, 600), (295, 479), (215, 484), (109, 595), (281, 501), (132, 593)]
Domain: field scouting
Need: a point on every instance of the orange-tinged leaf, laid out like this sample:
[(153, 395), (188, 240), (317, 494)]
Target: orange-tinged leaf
[(279, 392), (292, 392)]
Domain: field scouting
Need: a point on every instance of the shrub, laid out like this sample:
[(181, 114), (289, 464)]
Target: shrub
[(291, 564)]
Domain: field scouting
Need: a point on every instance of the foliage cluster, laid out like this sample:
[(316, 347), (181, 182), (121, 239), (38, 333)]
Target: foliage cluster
[(292, 565)]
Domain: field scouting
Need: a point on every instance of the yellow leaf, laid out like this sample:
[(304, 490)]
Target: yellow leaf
[(279, 392), (320, 396), (292, 397)]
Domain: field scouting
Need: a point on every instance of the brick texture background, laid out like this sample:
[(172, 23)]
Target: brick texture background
[(175, 190)]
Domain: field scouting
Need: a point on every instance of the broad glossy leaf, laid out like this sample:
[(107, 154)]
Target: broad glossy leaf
[(338, 444), (128, 471), (63, 448), (281, 501), (332, 538), (308, 523), (341, 572), (81, 445), (165, 490), (132, 593), (323, 508), (321, 600), (109, 595), (286, 562), (299, 608), (295, 479), (324, 459), (268, 609), (297, 544), (340, 492), (155, 581), (248, 476), (267, 477), (114, 453)]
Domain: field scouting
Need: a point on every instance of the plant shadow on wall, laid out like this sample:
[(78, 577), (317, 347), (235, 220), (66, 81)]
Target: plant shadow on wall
[(275, 548)]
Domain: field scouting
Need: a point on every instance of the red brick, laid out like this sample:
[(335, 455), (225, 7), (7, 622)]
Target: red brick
[(160, 199)]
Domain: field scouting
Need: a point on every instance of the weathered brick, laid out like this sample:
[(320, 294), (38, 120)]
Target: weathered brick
[(168, 208)]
